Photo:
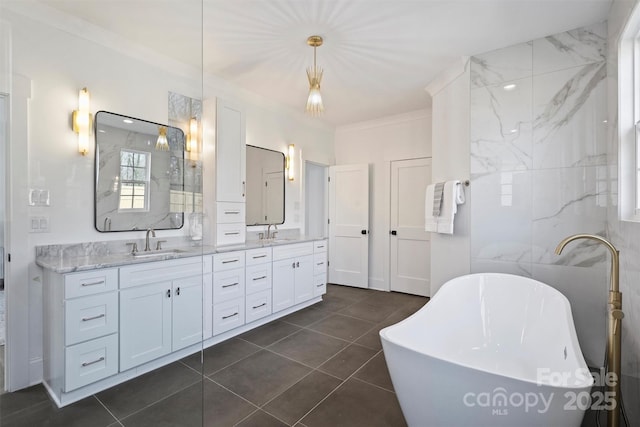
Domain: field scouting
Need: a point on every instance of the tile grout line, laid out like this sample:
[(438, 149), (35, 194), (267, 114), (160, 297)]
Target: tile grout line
[(157, 401), (335, 389), (107, 409)]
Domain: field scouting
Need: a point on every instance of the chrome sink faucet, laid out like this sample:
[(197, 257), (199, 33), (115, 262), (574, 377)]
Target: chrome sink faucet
[(269, 234), (146, 244)]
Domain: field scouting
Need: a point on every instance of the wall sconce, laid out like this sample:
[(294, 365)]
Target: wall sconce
[(82, 121), (290, 164), (192, 138)]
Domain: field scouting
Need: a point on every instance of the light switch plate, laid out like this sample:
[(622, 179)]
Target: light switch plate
[(39, 197), (38, 224)]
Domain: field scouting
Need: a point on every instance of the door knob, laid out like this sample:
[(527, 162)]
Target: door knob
[(393, 232)]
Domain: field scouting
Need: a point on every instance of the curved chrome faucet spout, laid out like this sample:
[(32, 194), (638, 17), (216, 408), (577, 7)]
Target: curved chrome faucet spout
[(146, 245), (614, 327)]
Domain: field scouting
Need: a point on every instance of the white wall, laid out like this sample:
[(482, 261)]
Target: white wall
[(450, 254), (123, 79), (378, 142)]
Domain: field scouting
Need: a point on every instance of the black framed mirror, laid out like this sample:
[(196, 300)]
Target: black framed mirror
[(139, 180), (265, 186)]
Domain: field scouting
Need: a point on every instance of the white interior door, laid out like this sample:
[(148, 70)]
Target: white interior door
[(410, 245), (349, 225), (274, 197)]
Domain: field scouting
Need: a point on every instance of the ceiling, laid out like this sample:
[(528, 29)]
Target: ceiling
[(378, 55)]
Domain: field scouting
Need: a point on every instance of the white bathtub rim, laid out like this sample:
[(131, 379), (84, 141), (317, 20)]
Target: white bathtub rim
[(582, 365)]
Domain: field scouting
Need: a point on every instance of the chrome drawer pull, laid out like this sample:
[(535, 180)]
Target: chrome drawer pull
[(86, 319), (259, 278), (231, 315), (92, 363), (231, 212), (231, 260), (260, 256), (101, 282), (320, 247), (320, 285), (230, 285), (320, 263), (261, 305), (234, 233)]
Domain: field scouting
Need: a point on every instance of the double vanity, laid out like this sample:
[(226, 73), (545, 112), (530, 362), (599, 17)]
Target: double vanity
[(112, 317)]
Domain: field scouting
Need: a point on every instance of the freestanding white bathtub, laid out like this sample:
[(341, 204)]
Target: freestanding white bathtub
[(489, 350)]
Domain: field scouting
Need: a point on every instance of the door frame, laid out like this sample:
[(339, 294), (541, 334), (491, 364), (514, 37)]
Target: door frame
[(325, 196)]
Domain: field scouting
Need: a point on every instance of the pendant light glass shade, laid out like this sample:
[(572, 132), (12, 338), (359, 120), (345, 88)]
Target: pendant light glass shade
[(162, 144), (314, 74)]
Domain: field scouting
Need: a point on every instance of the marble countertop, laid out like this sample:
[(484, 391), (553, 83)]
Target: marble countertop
[(69, 263)]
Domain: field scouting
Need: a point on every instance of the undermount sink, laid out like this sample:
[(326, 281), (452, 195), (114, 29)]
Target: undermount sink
[(148, 254)]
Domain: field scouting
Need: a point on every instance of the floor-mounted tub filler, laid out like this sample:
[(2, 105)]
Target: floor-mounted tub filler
[(489, 350)]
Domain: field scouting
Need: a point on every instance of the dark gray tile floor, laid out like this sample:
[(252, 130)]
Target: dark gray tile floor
[(321, 366)]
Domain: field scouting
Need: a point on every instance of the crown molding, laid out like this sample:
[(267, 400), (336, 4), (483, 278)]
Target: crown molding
[(452, 72), (424, 113)]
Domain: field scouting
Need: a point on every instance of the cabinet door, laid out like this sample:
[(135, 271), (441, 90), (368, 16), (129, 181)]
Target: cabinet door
[(230, 153), (283, 284), (187, 312), (145, 324), (304, 279)]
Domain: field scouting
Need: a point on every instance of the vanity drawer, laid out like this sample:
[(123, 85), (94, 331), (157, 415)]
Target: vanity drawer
[(229, 234), (228, 260), (292, 251), (228, 315), (258, 256), (319, 246), (229, 212), (228, 285), (319, 285), (258, 305), (90, 361), (90, 317), (160, 271), (320, 263), (258, 278), (90, 282)]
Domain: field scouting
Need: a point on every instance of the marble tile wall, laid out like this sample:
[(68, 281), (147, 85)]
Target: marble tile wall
[(539, 168)]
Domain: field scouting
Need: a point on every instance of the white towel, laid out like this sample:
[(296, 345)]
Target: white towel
[(430, 222), (452, 196)]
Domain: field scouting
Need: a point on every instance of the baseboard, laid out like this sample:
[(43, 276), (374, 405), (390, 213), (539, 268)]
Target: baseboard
[(35, 371)]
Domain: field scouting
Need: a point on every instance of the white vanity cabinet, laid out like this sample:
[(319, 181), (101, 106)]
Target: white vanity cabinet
[(320, 268), (105, 326), (160, 309), (80, 339), (228, 291), (292, 275), (258, 284), (230, 173)]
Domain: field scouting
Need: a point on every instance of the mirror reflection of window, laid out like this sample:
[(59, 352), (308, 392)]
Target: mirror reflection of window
[(135, 183), (135, 167)]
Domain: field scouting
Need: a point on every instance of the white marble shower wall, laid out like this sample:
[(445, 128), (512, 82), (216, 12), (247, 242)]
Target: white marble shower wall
[(539, 168)]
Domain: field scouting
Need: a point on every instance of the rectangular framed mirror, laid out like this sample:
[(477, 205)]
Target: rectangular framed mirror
[(139, 180), (265, 186)]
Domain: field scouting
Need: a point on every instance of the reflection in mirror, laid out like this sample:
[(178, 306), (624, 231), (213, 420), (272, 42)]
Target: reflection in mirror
[(139, 180), (265, 186)]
